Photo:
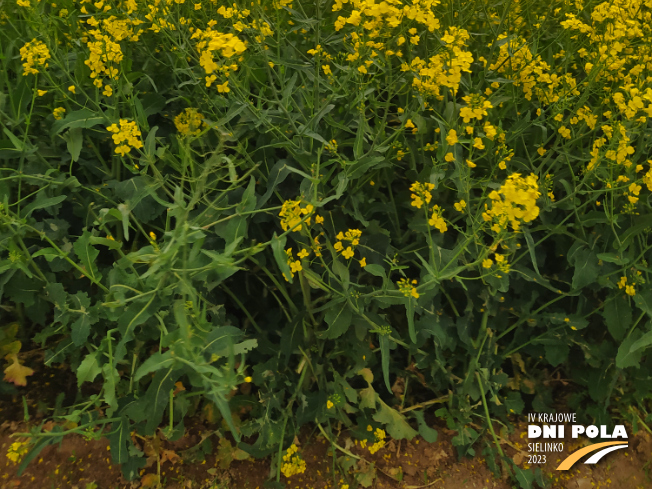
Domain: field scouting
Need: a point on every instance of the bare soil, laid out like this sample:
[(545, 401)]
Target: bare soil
[(77, 463)]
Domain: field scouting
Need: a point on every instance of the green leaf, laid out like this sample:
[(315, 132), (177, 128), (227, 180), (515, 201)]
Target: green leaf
[(626, 357), (384, 360), (83, 118), (376, 270), (110, 375), (556, 352), (110, 243), (524, 477), (81, 328), (618, 259), (367, 476), (74, 139), (642, 223), (586, 268), (245, 346), (618, 316), (530, 247), (87, 254), (428, 434), (642, 343), (14, 140), (338, 319), (395, 423), (155, 362), (409, 309), (158, 397), (42, 202), (88, 369), (278, 247), (643, 301), (118, 440), (359, 138)]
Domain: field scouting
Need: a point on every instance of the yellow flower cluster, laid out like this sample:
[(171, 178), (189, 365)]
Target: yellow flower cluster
[(421, 193), (227, 45), (501, 262), (514, 203), (629, 289), (443, 69), (295, 265), (379, 435), (291, 215), (437, 221), (476, 107), (408, 288), (127, 133), (293, 464), (516, 62), (58, 113), (34, 53), (189, 122), (352, 236), (17, 451), (104, 56)]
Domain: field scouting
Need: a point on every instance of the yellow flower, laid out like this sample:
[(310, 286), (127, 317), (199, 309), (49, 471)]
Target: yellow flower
[(319, 219), (34, 53), (449, 157), (487, 263), (58, 113), (477, 143), (329, 404), (108, 91), (303, 253), (407, 290), (470, 164), (40, 93), (565, 132), (72, 88), (451, 138), (293, 464), (128, 134), (347, 253), (17, 450), (541, 151), (460, 206), (248, 379), (338, 246), (223, 88), (363, 262), (409, 124), (421, 193), (152, 235), (437, 221), (629, 290)]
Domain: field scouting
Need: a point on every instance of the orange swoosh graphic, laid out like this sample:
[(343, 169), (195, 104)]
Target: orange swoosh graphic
[(575, 456)]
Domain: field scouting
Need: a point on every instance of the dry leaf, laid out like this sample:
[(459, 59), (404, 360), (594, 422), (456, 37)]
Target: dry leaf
[(170, 455), (149, 481), (16, 372), (178, 388)]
